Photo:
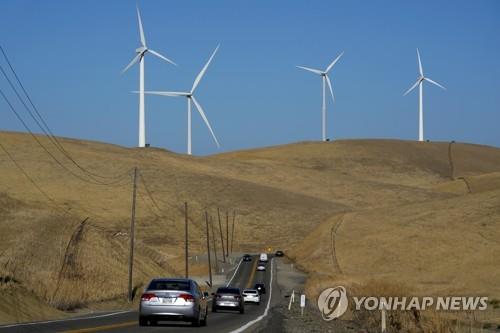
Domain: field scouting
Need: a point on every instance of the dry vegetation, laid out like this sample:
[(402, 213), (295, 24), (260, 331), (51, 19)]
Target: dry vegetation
[(348, 212)]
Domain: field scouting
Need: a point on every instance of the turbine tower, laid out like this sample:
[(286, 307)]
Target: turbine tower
[(140, 52), (420, 83), (190, 98), (326, 81)]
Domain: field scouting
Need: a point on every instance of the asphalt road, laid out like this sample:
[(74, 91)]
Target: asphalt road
[(127, 321)]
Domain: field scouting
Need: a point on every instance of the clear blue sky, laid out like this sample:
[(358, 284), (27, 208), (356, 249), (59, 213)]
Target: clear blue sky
[(70, 55)]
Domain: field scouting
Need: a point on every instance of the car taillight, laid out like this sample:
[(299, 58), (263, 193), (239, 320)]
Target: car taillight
[(147, 297), (187, 297), (237, 297)]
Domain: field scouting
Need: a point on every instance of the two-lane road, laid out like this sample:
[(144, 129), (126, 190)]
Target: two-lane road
[(245, 276)]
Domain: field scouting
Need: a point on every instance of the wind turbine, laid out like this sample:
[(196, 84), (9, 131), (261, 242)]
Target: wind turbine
[(420, 83), (140, 52), (190, 97), (326, 81)]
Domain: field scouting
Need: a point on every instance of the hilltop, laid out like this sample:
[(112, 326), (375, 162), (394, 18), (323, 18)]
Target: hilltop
[(407, 213)]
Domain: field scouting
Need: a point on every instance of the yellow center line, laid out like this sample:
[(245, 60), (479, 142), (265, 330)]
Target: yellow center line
[(103, 328), (254, 267)]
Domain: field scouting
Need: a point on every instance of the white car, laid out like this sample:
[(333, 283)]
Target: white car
[(261, 268), (251, 295)]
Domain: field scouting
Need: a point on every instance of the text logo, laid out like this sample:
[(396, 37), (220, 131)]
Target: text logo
[(333, 303)]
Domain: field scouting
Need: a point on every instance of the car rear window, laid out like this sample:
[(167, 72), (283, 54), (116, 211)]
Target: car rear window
[(169, 285), (250, 291), (228, 291)]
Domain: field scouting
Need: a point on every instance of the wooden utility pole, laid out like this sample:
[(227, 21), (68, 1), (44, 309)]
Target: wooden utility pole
[(213, 244), (132, 237), (186, 237), (227, 233), (221, 237), (208, 252), (232, 231)]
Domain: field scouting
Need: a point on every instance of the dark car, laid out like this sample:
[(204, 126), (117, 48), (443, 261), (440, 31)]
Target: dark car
[(228, 298), (173, 299), (261, 288), (247, 257), (279, 253)]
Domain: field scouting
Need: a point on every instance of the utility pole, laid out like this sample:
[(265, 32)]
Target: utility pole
[(132, 237), (208, 251), (221, 237), (227, 233), (213, 244), (232, 231), (186, 236)]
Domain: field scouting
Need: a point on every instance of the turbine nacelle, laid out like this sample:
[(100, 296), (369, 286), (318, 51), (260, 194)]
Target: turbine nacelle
[(141, 49)]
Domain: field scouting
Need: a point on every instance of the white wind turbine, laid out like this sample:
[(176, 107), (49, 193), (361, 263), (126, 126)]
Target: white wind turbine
[(420, 83), (140, 52), (190, 97), (326, 81)]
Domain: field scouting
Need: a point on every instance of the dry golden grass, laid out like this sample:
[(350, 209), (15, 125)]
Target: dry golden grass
[(395, 195)]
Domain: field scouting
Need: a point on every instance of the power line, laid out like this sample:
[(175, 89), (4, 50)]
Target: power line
[(32, 181), (43, 125), (95, 182)]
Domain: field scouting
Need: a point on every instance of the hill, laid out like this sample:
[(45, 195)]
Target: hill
[(392, 194)]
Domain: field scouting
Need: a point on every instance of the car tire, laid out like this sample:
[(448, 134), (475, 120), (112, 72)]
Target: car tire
[(196, 322), (143, 321), (205, 319)]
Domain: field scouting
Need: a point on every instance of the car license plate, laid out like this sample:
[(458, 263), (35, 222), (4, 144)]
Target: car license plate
[(167, 300)]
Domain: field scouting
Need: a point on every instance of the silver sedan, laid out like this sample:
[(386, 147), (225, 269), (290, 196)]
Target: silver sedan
[(173, 299)]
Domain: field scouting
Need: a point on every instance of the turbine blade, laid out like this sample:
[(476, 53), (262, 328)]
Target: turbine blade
[(412, 87), (317, 71), (162, 57), (334, 62), (330, 87), (435, 83), (134, 60), (202, 114), (420, 69), (164, 93), (141, 30), (204, 69)]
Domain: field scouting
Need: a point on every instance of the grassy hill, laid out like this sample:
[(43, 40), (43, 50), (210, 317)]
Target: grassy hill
[(406, 217)]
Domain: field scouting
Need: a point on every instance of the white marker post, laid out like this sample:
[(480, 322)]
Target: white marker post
[(382, 319), (292, 300), (302, 304)]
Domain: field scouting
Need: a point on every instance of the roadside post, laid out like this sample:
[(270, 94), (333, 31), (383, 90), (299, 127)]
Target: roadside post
[(292, 300), (302, 304), (382, 319)]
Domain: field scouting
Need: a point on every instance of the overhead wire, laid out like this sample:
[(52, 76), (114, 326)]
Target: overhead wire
[(47, 131)]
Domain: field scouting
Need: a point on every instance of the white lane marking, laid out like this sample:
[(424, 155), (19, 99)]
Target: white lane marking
[(234, 274), (259, 318), (63, 320)]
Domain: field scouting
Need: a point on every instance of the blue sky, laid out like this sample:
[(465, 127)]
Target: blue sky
[(69, 55)]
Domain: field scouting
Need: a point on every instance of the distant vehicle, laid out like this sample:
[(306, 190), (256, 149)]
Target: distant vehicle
[(261, 268), (247, 257), (279, 253), (261, 288), (173, 299), (228, 298), (263, 257), (251, 295)]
